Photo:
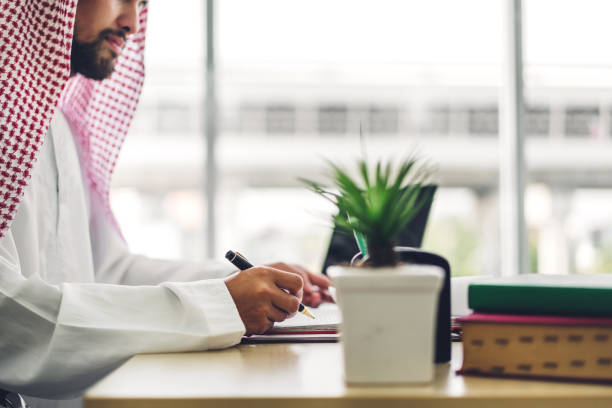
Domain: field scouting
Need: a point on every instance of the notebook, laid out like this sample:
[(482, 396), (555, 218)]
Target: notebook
[(303, 329), (327, 319)]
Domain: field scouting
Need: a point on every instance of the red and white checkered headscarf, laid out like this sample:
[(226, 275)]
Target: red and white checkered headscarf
[(35, 45)]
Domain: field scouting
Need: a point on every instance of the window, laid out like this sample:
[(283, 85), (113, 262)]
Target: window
[(332, 119), (537, 121), (176, 118), (581, 121), (293, 89), (567, 76), (157, 185), (302, 85), (280, 119), (437, 121), (384, 120), (483, 121), (252, 119)]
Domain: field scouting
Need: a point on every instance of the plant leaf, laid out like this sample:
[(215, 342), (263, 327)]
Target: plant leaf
[(381, 201)]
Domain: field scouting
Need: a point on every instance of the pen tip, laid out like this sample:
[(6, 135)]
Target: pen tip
[(307, 313)]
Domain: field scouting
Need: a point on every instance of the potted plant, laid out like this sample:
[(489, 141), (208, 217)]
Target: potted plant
[(388, 308)]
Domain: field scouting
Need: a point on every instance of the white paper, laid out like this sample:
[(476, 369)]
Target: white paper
[(327, 317)]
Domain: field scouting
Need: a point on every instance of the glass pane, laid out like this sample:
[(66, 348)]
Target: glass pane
[(568, 78), (157, 195), (297, 81)]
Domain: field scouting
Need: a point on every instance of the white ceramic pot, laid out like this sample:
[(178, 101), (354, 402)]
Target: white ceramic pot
[(388, 322)]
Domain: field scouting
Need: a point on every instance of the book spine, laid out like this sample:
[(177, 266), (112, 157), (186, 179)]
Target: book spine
[(556, 301)]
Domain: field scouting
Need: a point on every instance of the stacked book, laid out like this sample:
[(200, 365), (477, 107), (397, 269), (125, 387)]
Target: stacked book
[(545, 326)]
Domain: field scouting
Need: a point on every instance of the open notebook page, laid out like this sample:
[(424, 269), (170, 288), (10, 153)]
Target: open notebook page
[(327, 315)]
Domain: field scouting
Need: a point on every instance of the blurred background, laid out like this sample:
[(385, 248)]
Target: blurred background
[(294, 82)]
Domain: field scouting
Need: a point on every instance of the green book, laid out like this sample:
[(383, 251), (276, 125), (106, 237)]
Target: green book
[(538, 294)]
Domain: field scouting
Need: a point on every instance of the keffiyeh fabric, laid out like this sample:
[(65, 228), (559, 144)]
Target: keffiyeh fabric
[(35, 45)]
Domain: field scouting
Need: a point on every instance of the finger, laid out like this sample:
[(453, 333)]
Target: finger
[(285, 302), (299, 294), (303, 273), (326, 296), (314, 278), (308, 288), (287, 280), (276, 314), (313, 300), (298, 270), (258, 325), (265, 326), (320, 280)]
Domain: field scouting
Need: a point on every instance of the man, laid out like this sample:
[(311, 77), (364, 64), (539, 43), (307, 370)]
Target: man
[(74, 303)]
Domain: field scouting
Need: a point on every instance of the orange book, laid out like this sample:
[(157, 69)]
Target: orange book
[(571, 348)]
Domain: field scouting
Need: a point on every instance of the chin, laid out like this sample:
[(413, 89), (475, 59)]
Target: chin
[(100, 73), (105, 68), (95, 63)]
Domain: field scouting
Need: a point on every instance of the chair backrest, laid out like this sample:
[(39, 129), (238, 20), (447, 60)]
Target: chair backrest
[(11, 400)]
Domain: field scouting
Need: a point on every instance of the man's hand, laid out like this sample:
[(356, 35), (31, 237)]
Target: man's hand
[(315, 285), (260, 299)]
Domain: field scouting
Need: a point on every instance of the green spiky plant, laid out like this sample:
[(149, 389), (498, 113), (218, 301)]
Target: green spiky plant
[(377, 204)]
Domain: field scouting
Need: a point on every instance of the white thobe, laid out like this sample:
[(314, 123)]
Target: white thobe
[(75, 304)]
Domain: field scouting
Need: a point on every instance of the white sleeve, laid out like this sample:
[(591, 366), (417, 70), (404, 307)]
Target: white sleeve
[(113, 262), (57, 340)]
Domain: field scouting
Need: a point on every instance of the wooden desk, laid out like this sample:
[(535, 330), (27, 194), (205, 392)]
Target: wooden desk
[(310, 376)]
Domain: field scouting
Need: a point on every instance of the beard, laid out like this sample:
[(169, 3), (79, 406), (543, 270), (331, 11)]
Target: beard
[(87, 58)]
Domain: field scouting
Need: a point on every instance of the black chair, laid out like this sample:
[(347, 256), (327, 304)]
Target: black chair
[(11, 400)]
